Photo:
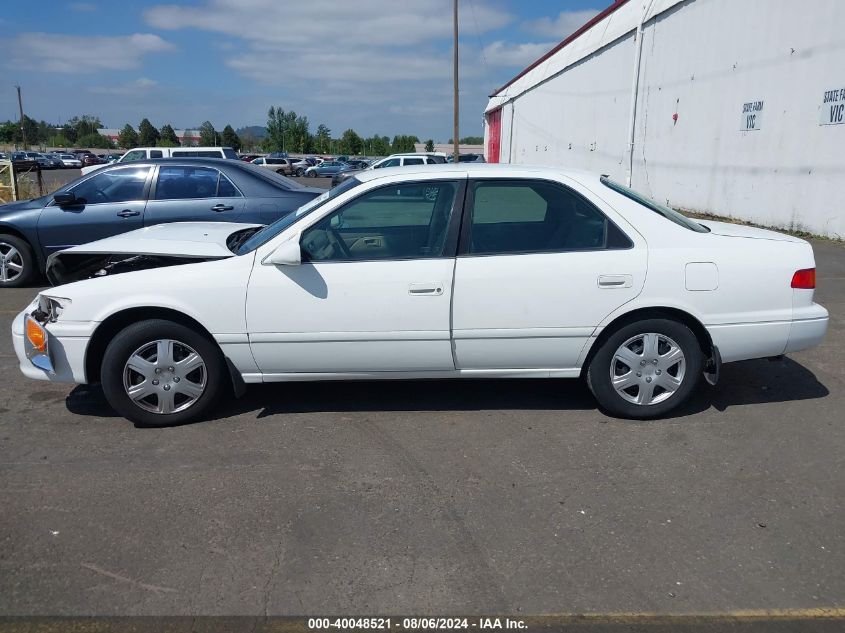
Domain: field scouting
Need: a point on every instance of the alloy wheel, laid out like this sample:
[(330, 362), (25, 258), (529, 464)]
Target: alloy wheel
[(11, 262)]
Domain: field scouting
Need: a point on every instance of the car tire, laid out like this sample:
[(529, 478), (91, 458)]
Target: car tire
[(163, 393), (300, 172), (631, 379), (15, 252), (311, 174)]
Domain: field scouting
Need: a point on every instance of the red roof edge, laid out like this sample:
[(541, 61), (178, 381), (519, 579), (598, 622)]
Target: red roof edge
[(598, 18)]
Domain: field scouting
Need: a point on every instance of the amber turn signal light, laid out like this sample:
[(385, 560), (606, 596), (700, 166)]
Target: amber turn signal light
[(36, 335)]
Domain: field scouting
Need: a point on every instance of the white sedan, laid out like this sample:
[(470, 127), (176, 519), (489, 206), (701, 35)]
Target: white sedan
[(466, 271)]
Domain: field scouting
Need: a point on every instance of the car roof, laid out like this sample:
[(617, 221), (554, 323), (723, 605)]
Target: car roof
[(470, 170)]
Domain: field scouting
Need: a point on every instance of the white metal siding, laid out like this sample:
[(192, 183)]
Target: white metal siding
[(701, 60)]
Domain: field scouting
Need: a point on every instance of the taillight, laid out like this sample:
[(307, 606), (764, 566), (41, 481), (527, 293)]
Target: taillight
[(805, 279)]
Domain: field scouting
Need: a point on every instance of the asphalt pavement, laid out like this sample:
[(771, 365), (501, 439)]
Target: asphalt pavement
[(484, 496)]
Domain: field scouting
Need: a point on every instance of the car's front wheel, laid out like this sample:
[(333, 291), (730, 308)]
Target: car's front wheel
[(159, 373), (311, 174), (17, 263), (646, 369), (300, 172)]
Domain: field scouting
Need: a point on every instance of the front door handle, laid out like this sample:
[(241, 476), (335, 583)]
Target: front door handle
[(128, 213), (615, 281), (426, 288), (222, 207)]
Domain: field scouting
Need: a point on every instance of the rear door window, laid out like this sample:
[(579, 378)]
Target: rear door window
[(536, 216), (188, 183)]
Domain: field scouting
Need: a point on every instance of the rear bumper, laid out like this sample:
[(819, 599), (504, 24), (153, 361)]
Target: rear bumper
[(809, 329), (744, 341)]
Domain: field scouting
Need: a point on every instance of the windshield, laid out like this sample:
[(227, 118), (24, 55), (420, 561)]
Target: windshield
[(665, 211), (272, 230)]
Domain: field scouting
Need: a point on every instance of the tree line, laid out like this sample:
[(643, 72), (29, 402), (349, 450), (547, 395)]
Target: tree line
[(286, 132), (289, 132)]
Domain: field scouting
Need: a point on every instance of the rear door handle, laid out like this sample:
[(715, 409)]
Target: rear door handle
[(222, 207), (615, 281), (426, 288), (128, 213)]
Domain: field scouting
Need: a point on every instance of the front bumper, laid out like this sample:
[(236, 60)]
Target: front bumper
[(67, 355)]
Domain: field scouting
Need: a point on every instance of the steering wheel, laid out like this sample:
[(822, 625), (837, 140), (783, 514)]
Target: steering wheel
[(338, 243)]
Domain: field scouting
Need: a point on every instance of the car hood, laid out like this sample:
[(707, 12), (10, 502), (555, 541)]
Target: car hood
[(24, 205), (741, 230), (152, 247), (196, 239)]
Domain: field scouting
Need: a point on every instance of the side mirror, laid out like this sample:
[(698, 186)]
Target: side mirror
[(288, 253), (64, 198)]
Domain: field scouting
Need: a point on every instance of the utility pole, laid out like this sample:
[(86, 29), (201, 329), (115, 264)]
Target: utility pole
[(20, 107), (455, 73)]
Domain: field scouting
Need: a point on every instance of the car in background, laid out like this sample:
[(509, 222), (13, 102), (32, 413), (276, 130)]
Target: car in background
[(142, 153), (248, 158), (282, 166), (124, 197), (3, 156), (467, 158), (603, 285), (353, 167), (70, 161), (91, 159), (300, 165), (41, 159), (112, 158), (326, 168), (403, 160)]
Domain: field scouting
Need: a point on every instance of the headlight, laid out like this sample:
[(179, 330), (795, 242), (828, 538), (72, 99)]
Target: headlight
[(49, 308)]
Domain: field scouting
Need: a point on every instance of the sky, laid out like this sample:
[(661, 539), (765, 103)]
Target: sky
[(377, 66)]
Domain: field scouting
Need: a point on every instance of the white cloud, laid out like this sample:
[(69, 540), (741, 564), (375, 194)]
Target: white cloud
[(565, 24), (504, 54), (137, 87), (80, 54), (370, 41), (325, 23)]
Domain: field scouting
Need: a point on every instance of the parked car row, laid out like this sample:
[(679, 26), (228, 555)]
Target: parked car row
[(123, 197), (421, 271)]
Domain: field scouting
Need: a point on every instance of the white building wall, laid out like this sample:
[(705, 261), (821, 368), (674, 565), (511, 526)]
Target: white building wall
[(702, 60)]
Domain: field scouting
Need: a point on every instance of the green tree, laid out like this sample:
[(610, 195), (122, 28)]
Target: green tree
[(208, 135), (168, 135), (469, 140), (275, 139), (147, 134), (404, 144), (86, 124), (429, 145), (350, 143), (128, 137), (323, 139), (58, 140), (9, 131), (96, 140), (69, 132), (230, 138), (249, 141)]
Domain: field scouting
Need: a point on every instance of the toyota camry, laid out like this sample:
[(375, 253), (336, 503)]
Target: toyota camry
[(460, 271)]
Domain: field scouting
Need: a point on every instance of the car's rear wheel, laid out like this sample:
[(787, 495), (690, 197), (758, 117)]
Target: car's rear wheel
[(160, 373), (300, 172), (17, 263), (646, 369)]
